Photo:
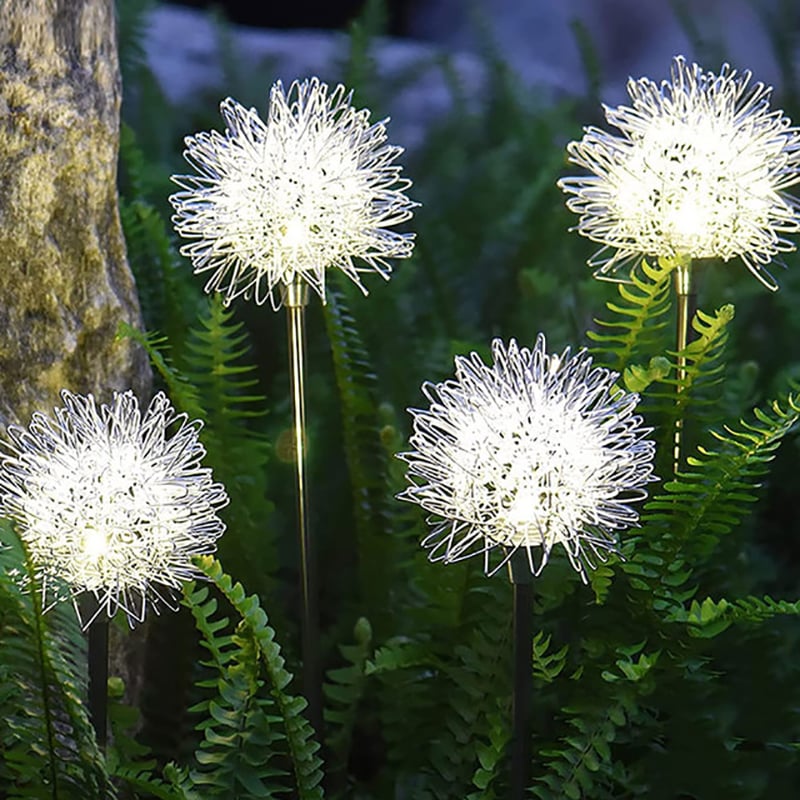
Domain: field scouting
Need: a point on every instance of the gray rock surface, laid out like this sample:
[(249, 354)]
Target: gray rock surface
[(183, 48), (631, 38), (64, 280)]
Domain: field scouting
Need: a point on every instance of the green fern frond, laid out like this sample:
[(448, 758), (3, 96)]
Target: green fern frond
[(46, 739), (365, 454), (547, 666), (360, 66), (254, 628), (241, 754), (344, 691), (683, 524), (215, 364), (695, 396), (704, 363), (710, 618), (582, 763), (641, 317), (714, 493), (141, 780), (132, 23), (400, 654), (478, 660), (492, 755), (183, 394)]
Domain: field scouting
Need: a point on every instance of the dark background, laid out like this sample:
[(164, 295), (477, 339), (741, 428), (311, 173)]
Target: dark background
[(303, 13)]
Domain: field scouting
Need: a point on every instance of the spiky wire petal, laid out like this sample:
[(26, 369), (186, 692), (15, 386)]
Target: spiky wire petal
[(700, 170), (111, 501), (532, 451), (316, 187)]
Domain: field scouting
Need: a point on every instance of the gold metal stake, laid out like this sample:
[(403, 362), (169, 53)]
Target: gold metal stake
[(295, 298), (686, 309)]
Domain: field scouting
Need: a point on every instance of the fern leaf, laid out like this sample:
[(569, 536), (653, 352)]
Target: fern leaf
[(215, 364), (182, 393), (712, 495), (366, 456), (480, 659), (241, 754), (547, 666), (582, 764), (344, 690), (46, 738), (141, 779), (641, 317), (710, 618), (170, 298), (693, 396), (306, 764)]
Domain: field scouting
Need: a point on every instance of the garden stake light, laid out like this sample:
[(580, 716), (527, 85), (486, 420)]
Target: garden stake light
[(112, 504), (276, 205), (512, 459), (700, 170)]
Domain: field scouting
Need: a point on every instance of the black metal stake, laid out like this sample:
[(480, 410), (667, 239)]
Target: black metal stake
[(522, 632), (98, 676)]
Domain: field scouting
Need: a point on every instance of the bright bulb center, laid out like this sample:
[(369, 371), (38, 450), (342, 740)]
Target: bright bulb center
[(95, 544), (295, 234)]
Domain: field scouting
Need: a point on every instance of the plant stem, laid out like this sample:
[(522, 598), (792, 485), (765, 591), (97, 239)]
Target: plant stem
[(522, 624), (295, 299)]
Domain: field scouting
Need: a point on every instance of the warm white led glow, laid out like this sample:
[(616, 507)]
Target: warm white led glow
[(111, 500), (533, 451), (700, 170), (313, 188)]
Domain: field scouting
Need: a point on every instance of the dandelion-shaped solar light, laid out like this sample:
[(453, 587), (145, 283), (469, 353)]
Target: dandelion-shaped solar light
[(514, 458), (275, 205), (700, 169), (112, 503)]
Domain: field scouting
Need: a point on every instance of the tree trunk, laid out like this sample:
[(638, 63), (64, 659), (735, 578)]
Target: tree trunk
[(65, 284)]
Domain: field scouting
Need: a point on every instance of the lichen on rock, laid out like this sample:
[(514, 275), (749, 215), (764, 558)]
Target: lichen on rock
[(65, 284)]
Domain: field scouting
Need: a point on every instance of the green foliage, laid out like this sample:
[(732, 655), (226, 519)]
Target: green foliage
[(238, 756), (640, 318), (345, 690), (255, 740), (583, 762), (47, 745), (710, 618), (255, 649), (714, 493), (547, 665), (678, 681), (131, 23), (366, 456)]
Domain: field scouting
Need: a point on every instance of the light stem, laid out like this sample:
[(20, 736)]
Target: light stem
[(295, 299), (522, 634), (687, 301)]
